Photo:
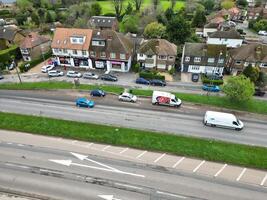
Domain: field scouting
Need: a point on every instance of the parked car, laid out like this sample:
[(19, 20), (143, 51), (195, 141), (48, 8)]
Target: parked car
[(211, 88), (157, 82), (89, 75), (84, 102), (259, 92), (127, 97), (47, 68), (1, 77), (142, 81), (264, 33), (108, 77), (55, 73), (97, 93), (74, 74)]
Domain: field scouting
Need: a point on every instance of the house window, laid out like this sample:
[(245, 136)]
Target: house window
[(65, 51), (103, 54), (74, 52), (149, 56), (195, 68), (263, 64), (221, 60), (187, 59), (141, 55), (98, 43), (60, 50), (84, 53), (197, 59), (171, 57), (122, 56), (238, 62), (77, 40), (112, 55), (162, 57), (92, 53), (56, 50), (211, 60)]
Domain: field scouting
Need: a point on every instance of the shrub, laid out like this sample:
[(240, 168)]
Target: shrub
[(136, 67), (7, 54), (172, 71), (151, 75), (206, 80)]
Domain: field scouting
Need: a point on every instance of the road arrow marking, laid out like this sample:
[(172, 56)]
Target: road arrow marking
[(108, 197)]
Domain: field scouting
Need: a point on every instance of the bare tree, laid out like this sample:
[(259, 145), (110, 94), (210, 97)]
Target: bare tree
[(118, 6), (137, 4)]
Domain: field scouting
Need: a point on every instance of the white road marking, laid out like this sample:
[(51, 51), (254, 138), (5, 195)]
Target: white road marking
[(199, 166), (178, 162), (218, 172), (88, 145), (124, 150), (21, 145), (241, 174), (129, 186), (14, 165), (159, 158), (74, 141), (141, 154), (9, 143), (264, 180), (108, 197), (171, 195), (105, 148)]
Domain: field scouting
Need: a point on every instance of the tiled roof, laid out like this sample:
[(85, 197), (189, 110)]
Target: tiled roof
[(231, 34), (158, 47), (8, 32), (61, 39), (102, 21), (33, 39), (211, 25)]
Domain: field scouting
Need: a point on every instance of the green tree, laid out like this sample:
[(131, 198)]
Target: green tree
[(199, 19), (208, 4), (80, 23), (129, 24), (49, 18), (118, 6), (24, 4), (169, 13), (35, 18), (137, 4), (155, 4), (227, 4), (243, 3), (178, 30), (252, 73), (96, 9), (260, 25), (128, 9), (155, 30), (173, 2), (42, 13), (239, 88), (21, 17), (262, 80)]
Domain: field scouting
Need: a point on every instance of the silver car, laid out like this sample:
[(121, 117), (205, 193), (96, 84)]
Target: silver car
[(89, 75), (55, 73), (127, 97), (74, 74)]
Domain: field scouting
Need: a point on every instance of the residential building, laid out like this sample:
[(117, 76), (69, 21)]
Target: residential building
[(251, 3), (103, 22), (71, 46), (231, 38), (10, 35), (210, 28), (254, 13), (157, 54), (34, 45), (111, 50), (198, 58), (253, 53)]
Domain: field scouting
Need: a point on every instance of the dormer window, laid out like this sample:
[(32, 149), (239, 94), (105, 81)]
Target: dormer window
[(211, 60), (77, 40), (197, 59), (98, 43), (187, 59)]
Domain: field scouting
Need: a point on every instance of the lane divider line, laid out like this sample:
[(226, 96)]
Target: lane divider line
[(106, 147), (203, 161), (171, 195), (218, 172), (264, 180), (89, 145), (124, 150), (159, 158), (241, 174), (178, 162)]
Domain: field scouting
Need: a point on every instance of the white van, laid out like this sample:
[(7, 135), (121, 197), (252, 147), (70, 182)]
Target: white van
[(165, 98), (221, 119)]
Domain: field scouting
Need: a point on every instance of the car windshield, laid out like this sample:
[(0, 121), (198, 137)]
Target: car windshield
[(238, 122)]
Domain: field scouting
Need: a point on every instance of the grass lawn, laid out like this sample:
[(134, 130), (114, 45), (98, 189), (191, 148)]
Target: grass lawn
[(249, 156)]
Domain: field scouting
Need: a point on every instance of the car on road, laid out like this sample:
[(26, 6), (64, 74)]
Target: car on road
[(1, 77), (157, 82), (84, 102), (97, 93), (89, 75), (142, 81), (74, 74), (264, 33), (259, 92), (211, 88), (108, 77), (47, 68), (127, 97), (55, 73)]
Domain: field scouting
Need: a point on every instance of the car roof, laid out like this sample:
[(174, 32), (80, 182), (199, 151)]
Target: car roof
[(82, 99)]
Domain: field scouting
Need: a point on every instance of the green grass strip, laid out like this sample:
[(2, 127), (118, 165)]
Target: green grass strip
[(244, 155)]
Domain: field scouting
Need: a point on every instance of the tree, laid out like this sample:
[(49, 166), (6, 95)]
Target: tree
[(35, 18), (118, 6), (173, 2), (21, 17), (155, 30), (262, 80), (155, 4), (227, 4), (137, 4), (243, 3), (199, 19), (129, 9), (260, 25), (80, 23), (41, 12), (252, 73), (178, 30), (49, 18), (96, 9), (239, 88), (129, 24), (209, 5), (23, 4), (169, 14)]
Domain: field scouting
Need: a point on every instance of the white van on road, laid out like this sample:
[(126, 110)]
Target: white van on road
[(165, 98), (221, 119)]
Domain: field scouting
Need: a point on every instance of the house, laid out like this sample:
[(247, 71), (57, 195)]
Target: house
[(157, 54), (111, 50), (103, 22), (231, 38), (254, 13), (210, 28), (34, 45), (70, 46), (199, 32), (10, 35), (251, 3), (200, 58), (253, 53), (219, 16)]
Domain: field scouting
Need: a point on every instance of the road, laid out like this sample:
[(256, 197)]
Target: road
[(60, 174), (186, 120)]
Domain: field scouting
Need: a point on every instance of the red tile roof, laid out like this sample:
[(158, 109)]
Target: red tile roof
[(32, 40)]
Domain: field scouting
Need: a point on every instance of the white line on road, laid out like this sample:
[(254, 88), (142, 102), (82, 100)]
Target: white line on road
[(171, 195), (203, 161), (159, 158), (124, 150), (105, 148), (218, 172), (129, 186), (88, 145), (178, 162), (74, 141), (264, 179), (141, 154), (241, 174), (14, 165), (21, 145)]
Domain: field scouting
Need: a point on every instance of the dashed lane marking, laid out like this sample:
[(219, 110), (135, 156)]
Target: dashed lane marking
[(220, 171), (141, 154), (241, 174), (178, 162), (124, 150), (264, 180), (159, 158), (199, 166)]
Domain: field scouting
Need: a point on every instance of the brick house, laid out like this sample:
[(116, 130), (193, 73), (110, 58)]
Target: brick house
[(103, 22)]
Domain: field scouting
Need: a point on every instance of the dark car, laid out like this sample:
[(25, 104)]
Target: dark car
[(259, 92), (1, 77), (98, 93), (108, 77), (142, 81), (157, 82)]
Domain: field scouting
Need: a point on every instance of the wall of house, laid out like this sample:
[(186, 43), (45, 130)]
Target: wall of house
[(230, 43), (208, 30), (69, 52)]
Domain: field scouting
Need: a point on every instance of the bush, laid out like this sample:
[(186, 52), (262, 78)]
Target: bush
[(172, 71), (136, 67), (206, 80), (7, 54), (151, 75)]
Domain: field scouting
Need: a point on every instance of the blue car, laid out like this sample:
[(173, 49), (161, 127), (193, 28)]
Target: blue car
[(142, 81), (211, 88), (98, 93), (83, 102)]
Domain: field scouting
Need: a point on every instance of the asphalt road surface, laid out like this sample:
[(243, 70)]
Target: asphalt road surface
[(45, 172), (186, 120)]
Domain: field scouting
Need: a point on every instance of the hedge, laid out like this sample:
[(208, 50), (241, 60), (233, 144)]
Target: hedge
[(151, 75), (214, 82), (6, 54)]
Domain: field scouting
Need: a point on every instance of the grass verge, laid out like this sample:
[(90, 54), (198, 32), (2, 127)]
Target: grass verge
[(244, 155)]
